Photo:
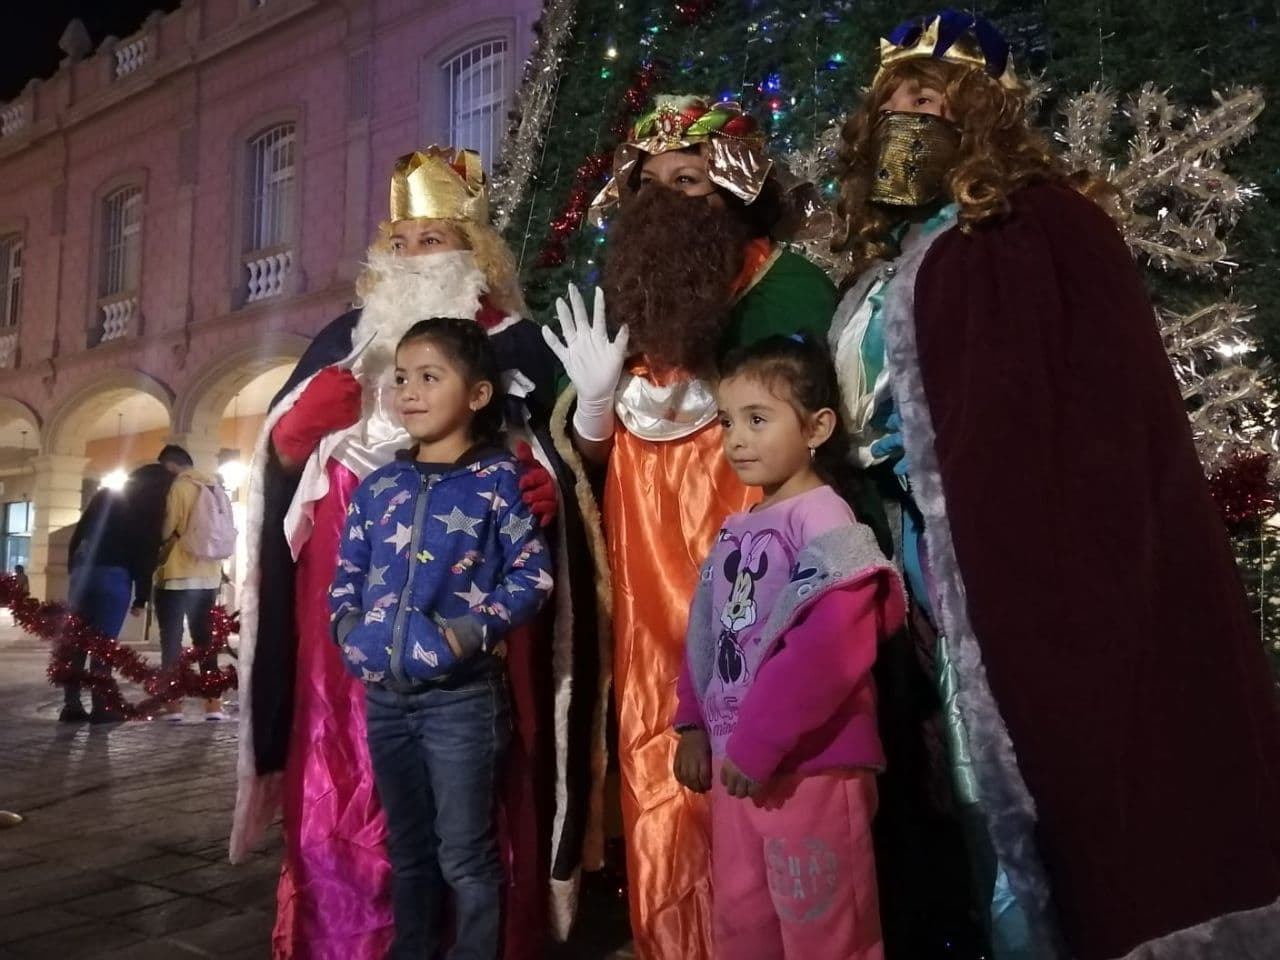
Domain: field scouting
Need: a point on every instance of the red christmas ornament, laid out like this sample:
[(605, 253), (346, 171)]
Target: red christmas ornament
[(71, 637), (1242, 489), (691, 11), (595, 168)]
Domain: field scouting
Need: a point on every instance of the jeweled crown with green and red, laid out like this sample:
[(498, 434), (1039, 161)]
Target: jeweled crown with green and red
[(730, 139), (682, 121)]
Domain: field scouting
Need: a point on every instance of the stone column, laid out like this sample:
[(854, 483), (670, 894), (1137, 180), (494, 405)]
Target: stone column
[(56, 498)]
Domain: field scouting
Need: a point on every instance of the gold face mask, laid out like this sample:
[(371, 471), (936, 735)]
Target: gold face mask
[(914, 154)]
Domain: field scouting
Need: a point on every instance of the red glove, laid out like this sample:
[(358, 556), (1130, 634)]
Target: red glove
[(330, 402), (537, 488)]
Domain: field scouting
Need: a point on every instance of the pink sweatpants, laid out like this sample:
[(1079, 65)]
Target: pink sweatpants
[(794, 872)]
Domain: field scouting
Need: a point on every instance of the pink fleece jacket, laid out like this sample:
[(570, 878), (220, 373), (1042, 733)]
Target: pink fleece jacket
[(811, 706)]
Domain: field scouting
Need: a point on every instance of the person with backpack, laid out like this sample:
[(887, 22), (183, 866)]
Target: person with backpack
[(199, 534), (111, 558)]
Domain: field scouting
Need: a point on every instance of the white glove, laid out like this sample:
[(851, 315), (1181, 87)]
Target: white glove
[(592, 361)]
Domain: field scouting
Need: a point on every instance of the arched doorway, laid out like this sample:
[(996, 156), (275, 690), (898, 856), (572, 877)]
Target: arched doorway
[(108, 426), (220, 418)]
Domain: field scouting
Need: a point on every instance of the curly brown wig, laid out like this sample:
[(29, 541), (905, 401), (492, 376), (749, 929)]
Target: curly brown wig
[(999, 153), (672, 261)]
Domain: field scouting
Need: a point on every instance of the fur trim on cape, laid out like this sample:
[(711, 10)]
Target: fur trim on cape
[(1006, 802), (257, 795), (1244, 935), (593, 837)]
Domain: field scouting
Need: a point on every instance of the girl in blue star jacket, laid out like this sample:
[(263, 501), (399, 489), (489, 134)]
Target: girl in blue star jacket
[(440, 558)]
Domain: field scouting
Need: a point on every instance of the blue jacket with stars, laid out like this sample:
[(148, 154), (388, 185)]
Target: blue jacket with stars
[(430, 547)]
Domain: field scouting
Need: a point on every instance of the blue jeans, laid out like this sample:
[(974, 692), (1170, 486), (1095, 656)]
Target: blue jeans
[(437, 756), (192, 607), (100, 596)]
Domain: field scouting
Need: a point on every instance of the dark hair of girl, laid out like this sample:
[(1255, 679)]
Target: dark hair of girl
[(467, 346), (801, 370)]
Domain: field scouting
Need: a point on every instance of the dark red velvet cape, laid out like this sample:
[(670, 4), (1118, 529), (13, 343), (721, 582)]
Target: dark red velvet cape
[(1099, 580)]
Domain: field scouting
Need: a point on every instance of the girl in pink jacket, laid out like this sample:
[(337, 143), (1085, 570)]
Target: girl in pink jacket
[(776, 708)]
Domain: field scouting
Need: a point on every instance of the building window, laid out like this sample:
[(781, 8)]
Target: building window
[(18, 523), (475, 84), (271, 204), (10, 280), (271, 188), (119, 267), (121, 242)]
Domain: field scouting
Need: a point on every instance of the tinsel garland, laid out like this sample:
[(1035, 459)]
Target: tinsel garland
[(817, 165), (71, 637), (1175, 202), (1175, 198), (1175, 205), (535, 101), (592, 172)]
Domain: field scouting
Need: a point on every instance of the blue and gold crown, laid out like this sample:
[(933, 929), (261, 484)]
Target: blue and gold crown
[(954, 37)]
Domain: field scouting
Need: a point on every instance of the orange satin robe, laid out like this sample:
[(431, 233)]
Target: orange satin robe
[(664, 504)]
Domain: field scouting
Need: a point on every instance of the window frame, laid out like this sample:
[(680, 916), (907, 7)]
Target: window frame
[(270, 196), (95, 258), (471, 67), (11, 244), (120, 257), (242, 231), (435, 92)]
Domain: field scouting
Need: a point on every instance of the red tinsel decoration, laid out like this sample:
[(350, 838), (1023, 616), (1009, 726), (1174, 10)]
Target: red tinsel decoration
[(71, 637), (691, 11), (1242, 490), (595, 169)]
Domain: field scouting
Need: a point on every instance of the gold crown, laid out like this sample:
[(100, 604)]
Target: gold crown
[(439, 183), (964, 50)]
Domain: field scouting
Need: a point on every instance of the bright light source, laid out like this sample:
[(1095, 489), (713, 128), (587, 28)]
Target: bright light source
[(233, 473), (115, 480), (1234, 348)]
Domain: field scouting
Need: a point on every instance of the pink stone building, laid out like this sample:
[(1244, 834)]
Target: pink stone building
[(181, 209)]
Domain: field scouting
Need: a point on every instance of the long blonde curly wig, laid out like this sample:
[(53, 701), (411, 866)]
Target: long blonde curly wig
[(998, 153), (492, 254)]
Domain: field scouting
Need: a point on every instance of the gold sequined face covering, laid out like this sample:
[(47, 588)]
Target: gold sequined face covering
[(914, 154)]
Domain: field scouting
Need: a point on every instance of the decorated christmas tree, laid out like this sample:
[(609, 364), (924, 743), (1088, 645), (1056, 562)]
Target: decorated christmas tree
[(1163, 98)]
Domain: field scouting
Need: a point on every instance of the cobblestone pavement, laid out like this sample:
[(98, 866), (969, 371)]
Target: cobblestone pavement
[(123, 851)]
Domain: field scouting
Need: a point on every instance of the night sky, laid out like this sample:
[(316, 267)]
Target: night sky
[(29, 37)]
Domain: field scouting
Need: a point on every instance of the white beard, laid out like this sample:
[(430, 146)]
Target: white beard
[(410, 289)]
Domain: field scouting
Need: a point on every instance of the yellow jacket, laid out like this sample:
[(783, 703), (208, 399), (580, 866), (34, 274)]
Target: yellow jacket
[(176, 564)]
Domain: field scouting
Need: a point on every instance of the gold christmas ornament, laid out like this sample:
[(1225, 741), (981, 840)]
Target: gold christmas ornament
[(439, 183), (915, 152)]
